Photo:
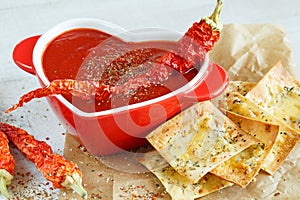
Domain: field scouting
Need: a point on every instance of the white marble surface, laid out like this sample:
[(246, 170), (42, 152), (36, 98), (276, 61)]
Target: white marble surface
[(20, 19)]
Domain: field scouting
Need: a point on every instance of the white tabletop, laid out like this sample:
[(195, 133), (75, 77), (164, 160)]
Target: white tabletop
[(20, 19)]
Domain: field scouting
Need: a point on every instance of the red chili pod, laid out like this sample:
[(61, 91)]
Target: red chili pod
[(61, 172), (7, 165)]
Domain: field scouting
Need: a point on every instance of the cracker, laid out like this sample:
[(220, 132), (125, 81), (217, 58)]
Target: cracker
[(265, 132), (279, 93), (198, 139), (243, 167), (178, 186), (234, 86), (286, 139)]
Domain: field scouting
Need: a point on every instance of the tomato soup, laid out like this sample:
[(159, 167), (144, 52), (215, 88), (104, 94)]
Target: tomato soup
[(88, 54)]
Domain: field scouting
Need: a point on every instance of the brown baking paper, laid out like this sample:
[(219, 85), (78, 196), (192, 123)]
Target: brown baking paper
[(247, 52), (119, 176)]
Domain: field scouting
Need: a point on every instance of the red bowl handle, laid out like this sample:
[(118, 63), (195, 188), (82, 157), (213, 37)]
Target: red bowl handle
[(22, 54), (212, 86)]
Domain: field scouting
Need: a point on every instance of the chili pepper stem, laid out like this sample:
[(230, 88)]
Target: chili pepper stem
[(5, 179), (214, 19), (75, 182), (3, 189)]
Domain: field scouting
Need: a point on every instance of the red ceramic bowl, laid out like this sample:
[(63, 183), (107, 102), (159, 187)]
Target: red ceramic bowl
[(125, 127)]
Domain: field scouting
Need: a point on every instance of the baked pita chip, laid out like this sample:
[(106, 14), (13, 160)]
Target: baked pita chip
[(243, 167), (266, 133), (234, 86), (198, 139), (179, 187), (279, 93), (286, 140)]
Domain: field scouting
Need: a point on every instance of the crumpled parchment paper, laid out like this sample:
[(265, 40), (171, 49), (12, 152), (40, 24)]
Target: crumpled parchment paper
[(248, 51)]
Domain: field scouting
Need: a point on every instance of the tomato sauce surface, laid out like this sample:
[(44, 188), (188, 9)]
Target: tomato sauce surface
[(88, 54)]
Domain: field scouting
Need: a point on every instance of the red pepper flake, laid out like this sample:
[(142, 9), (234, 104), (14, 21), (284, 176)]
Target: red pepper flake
[(140, 192)]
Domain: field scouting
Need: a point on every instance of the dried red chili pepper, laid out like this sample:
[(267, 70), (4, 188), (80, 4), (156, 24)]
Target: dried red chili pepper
[(7, 165), (87, 90), (55, 168), (190, 51), (196, 42), (84, 89)]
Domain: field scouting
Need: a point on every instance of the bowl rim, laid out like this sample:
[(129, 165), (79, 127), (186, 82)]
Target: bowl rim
[(113, 29)]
